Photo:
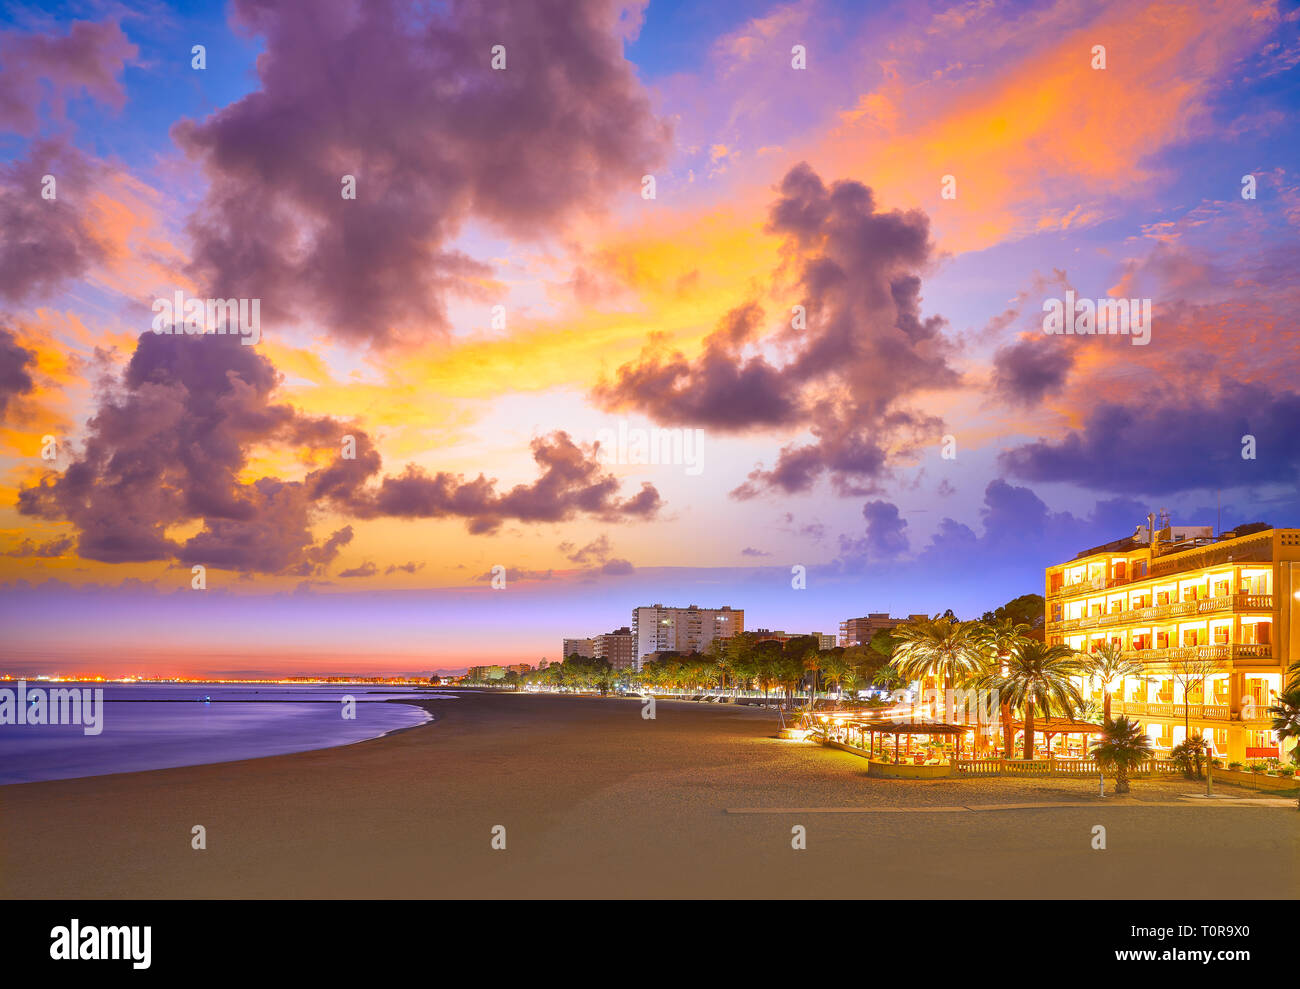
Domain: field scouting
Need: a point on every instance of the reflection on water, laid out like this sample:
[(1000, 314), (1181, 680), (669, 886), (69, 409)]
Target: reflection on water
[(155, 726)]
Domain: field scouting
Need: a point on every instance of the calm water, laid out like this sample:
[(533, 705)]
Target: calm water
[(155, 726)]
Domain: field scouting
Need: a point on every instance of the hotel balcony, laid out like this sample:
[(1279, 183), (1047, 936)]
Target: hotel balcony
[(1077, 587), (1157, 709), (1168, 711), (1230, 651), (1175, 609)]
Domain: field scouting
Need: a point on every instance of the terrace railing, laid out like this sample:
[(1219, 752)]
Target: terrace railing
[(1052, 767), (978, 767), (1174, 609)]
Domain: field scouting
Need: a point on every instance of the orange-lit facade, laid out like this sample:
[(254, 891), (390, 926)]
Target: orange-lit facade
[(1175, 599)]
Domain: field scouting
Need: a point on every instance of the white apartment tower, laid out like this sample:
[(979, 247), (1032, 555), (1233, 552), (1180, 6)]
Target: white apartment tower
[(659, 629)]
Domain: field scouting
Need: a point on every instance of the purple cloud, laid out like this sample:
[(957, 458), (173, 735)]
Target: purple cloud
[(864, 351), (15, 369), (167, 447), (38, 68), (405, 99), (1026, 371), (1172, 442), (45, 241)]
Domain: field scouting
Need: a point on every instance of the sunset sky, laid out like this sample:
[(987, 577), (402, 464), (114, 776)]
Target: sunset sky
[(774, 187)]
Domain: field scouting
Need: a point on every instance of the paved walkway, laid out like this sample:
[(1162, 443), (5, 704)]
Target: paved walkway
[(1189, 801)]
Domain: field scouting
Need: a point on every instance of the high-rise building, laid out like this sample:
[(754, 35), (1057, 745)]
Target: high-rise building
[(858, 631), (661, 629), (1212, 619), (479, 674), (618, 648), (586, 648)]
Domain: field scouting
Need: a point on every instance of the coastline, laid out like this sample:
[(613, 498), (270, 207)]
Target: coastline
[(598, 802), (243, 734)]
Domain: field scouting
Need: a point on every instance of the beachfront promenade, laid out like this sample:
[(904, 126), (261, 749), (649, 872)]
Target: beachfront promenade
[(597, 801)]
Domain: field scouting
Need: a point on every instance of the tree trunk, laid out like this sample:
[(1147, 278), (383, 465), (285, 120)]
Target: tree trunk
[(1105, 705), (1008, 736), (1029, 731), (1121, 778)]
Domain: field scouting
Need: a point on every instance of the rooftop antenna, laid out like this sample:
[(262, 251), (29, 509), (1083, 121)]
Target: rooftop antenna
[(1218, 505)]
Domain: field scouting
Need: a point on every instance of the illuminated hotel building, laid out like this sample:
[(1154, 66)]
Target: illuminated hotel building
[(1176, 598)]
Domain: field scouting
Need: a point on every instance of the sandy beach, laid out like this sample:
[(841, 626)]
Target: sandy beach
[(597, 801)]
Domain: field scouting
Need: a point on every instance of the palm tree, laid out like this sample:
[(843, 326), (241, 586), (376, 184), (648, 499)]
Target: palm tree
[(1108, 664), (944, 650), (836, 671), (849, 685), (1000, 637), (1286, 719), (1038, 676), (812, 662), (1294, 671), (1123, 746), (887, 677)]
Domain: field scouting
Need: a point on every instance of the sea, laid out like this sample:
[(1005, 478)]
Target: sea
[(162, 725)]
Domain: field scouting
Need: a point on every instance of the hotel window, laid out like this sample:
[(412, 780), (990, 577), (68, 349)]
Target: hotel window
[(1166, 692), (1222, 691), (1118, 570), (1255, 583), (1221, 588), (1192, 593), (1221, 635), (1162, 597), (1257, 633), (1162, 640), (1139, 569), (1094, 610), (1142, 601), (1116, 607), (1142, 641), (1190, 637), (1260, 744), (1220, 741)]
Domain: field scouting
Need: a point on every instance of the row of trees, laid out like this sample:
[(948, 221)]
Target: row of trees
[(742, 662)]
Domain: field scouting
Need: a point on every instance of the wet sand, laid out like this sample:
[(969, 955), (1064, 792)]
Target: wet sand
[(597, 801)]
